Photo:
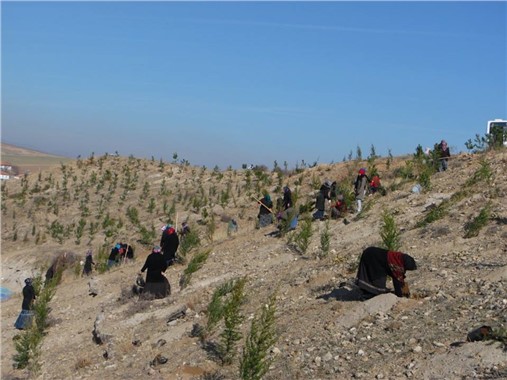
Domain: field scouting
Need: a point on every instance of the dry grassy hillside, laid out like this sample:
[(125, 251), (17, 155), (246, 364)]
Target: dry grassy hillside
[(455, 229), (27, 160)]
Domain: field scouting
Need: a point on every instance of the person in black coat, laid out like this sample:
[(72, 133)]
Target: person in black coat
[(87, 269), (24, 319), (265, 211), (156, 282), (155, 264), (320, 201), (287, 198), (378, 263), (169, 242)]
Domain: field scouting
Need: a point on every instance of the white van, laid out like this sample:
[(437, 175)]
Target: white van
[(498, 124)]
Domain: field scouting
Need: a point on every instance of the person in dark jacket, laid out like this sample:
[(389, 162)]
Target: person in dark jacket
[(114, 255), (443, 155), (169, 243), (87, 269), (378, 263), (129, 251), (333, 193), (265, 211), (320, 201), (24, 320), (287, 198), (156, 283)]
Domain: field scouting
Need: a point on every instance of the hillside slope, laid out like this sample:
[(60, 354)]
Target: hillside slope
[(28, 160), (325, 331)]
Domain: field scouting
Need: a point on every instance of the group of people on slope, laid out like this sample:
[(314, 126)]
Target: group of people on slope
[(329, 192), (161, 257), (285, 213), (376, 264), (120, 253)]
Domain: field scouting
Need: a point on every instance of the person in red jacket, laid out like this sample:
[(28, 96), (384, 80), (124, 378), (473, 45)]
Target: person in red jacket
[(375, 184)]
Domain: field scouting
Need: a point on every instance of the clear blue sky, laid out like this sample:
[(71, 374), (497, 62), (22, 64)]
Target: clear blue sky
[(227, 83)]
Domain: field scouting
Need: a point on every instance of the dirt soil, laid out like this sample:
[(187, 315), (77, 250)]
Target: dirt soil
[(325, 329)]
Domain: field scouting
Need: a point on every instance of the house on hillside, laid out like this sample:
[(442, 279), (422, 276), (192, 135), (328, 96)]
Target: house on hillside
[(4, 175), (6, 166), (8, 170)]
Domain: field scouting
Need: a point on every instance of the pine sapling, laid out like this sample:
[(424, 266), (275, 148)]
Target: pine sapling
[(325, 240), (302, 239), (254, 363), (389, 232), (232, 321), (193, 266)]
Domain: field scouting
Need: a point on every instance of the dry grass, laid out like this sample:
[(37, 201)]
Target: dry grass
[(82, 363)]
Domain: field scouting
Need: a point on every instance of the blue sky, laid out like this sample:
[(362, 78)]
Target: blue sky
[(227, 83)]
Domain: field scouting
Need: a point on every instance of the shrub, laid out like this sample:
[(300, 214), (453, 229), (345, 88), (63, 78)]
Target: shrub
[(189, 241), (302, 238), (147, 235), (193, 266), (436, 213), (325, 239), (367, 205), (473, 227), (254, 362), (133, 215), (499, 334), (57, 231), (425, 178), (493, 140), (215, 308), (101, 259), (211, 227), (389, 232), (483, 174), (27, 348), (232, 321)]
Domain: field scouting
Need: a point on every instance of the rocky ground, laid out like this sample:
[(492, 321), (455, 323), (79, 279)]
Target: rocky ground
[(325, 329)]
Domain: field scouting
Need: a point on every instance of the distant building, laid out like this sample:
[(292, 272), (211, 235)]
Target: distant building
[(4, 175), (6, 166)]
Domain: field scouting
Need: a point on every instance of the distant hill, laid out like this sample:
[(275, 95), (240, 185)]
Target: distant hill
[(28, 160)]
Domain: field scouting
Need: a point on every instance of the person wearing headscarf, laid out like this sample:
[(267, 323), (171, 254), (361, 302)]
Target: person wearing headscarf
[(265, 211), (320, 201), (87, 268), (443, 155), (360, 188), (185, 229), (287, 198), (378, 263), (114, 255), (169, 243), (24, 320), (156, 282)]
